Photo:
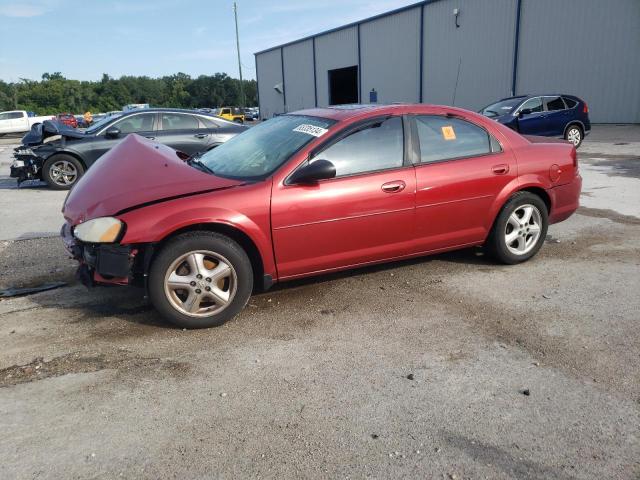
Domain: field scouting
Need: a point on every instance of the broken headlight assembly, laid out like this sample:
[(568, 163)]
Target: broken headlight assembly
[(99, 230)]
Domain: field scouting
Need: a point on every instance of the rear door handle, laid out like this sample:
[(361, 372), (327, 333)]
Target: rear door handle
[(151, 138), (500, 169), (393, 187), (201, 135)]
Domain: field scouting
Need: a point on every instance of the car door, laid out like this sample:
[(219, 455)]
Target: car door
[(364, 214), (557, 116), (532, 119), (139, 123), (461, 170), (183, 132)]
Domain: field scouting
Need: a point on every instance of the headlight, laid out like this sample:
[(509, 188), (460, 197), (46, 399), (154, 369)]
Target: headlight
[(24, 151), (99, 230)]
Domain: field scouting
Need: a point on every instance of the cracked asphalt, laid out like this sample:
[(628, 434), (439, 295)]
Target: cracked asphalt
[(448, 366)]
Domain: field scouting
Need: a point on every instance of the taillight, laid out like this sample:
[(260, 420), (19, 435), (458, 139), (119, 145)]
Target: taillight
[(585, 109)]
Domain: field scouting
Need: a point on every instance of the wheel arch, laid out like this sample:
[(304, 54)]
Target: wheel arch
[(67, 152), (512, 189), (236, 234), (573, 122)]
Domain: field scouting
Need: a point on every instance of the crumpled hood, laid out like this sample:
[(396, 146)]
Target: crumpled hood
[(135, 172), (49, 130)]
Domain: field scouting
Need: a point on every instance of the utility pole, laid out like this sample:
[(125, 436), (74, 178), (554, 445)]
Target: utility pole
[(235, 14)]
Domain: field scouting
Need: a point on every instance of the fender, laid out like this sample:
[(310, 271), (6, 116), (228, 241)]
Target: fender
[(156, 222)]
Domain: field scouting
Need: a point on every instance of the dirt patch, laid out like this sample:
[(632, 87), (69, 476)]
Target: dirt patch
[(39, 369)]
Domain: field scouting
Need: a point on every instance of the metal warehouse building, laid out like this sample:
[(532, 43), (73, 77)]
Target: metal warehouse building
[(466, 53)]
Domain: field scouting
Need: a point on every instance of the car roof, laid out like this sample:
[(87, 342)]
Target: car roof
[(346, 112), (532, 95), (170, 110)]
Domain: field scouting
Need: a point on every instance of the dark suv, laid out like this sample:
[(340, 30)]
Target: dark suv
[(562, 116)]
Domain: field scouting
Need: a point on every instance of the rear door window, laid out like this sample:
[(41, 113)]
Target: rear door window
[(555, 103), (15, 115), (443, 138), (208, 123), (179, 121)]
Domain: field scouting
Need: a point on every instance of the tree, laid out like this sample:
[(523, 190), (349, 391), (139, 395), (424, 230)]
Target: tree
[(54, 93)]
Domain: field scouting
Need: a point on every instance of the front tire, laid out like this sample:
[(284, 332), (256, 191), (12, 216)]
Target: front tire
[(574, 135), (520, 229), (200, 280), (61, 172)]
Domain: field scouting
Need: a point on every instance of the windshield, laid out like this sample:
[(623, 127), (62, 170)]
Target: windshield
[(502, 107), (259, 151), (98, 125)]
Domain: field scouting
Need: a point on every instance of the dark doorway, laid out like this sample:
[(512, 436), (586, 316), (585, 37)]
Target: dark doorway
[(343, 85)]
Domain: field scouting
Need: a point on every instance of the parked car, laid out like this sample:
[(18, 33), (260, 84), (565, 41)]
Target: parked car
[(250, 113), (60, 155), (233, 114), (135, 106), (18, 121), (562, 116), (68, 119), (313, 192)]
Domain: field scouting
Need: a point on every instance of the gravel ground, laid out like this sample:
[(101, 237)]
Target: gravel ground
[(442, 367)]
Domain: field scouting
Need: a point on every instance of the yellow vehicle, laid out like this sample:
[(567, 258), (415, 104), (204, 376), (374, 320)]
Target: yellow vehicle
[(231, 113)]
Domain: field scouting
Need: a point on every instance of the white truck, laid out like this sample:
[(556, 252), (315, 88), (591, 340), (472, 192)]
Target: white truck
[(18, 121)]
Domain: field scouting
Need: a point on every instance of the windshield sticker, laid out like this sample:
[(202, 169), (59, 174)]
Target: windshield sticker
[(310, 130), (448, 133)]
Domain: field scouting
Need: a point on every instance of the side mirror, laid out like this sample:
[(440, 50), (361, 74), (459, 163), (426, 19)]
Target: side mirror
[(312, 172), (112, 132), (525, 111)]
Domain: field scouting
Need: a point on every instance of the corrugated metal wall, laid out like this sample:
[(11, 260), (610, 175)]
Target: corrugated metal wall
[(269, 72), (469, 66), (298, 80), (390, 57), (590, 48), (334, 50)]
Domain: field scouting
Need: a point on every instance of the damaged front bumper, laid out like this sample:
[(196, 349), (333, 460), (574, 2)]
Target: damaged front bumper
[(26, 165), (103, 264)]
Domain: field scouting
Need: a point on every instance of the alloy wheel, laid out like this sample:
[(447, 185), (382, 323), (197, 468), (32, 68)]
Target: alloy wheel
[(523, 229), (200, 283), (63, 173), (574, 136)]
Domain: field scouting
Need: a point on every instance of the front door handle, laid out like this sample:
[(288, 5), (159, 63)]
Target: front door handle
[(393, 187), (500, 169), (201, 135)]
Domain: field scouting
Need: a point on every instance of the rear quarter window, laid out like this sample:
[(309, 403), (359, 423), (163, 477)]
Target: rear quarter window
[(570, 102)]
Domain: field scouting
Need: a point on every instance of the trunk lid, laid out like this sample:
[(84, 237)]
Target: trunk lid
[(134, 173)]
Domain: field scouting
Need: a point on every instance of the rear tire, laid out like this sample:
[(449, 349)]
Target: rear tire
[(574, 134), (200, 280), (61, 172), (519, 230)]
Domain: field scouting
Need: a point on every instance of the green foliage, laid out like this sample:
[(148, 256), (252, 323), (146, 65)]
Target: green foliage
[(56, 94)]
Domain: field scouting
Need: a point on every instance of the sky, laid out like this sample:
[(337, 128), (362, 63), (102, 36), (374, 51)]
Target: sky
[(84, 39)]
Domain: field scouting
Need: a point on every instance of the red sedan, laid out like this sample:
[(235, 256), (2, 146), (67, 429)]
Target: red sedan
[(313, 192), (67, 119)]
